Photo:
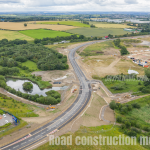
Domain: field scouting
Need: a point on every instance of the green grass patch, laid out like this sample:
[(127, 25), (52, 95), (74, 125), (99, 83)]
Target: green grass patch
[(96, 49), (43, 33), (31, 65), (98, 32), (17, 108), (70, 23), (104, 130), (123, 86)]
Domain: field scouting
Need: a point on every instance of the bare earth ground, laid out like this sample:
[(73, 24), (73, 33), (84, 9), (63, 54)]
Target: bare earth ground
[(109, 64), (20, 26)]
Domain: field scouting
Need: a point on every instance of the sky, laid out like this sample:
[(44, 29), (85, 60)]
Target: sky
[(74, 5)]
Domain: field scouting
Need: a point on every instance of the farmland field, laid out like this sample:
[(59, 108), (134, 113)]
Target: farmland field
[(20, 26), (110, 25), (97, 31), (12, 35), (42, 33), (70, 23)]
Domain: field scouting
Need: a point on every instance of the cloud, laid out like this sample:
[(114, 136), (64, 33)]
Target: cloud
[(74, 5), (42, 3), (131, 1), (9, 1)]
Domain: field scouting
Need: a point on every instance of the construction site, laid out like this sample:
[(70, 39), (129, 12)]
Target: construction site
[(140, 57)]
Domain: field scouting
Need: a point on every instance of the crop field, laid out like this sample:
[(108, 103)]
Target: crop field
[(20, 26), (99, 32), (42, 33), (110, 25), (104, 130), (70, 23), (12, 35)]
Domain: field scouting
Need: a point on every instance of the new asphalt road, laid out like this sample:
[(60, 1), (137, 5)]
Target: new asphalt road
[(67, 116)]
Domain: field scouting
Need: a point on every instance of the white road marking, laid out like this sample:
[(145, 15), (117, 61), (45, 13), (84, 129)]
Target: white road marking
[(36, 145)]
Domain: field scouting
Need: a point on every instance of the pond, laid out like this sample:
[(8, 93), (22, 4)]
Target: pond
[(17, 84)]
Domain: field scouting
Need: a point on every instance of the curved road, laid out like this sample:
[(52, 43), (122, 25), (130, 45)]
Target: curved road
[(63, 119)]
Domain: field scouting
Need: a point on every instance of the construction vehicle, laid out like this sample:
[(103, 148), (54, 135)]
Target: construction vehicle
[(50, 107)]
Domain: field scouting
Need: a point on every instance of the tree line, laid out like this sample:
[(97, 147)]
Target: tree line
[(5, 42), (72, 38), (123, 50)]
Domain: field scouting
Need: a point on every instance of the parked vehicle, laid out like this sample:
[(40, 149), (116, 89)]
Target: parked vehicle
[(4, 115), (6, 121)]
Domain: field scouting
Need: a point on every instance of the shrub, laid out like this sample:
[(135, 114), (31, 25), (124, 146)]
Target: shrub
[(128, 124), (119, 119), (112, 105), (27, 86)]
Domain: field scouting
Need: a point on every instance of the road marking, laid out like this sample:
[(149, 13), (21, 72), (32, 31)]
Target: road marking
[(30, 139), (23, 143), (15, 146), (36, 145)]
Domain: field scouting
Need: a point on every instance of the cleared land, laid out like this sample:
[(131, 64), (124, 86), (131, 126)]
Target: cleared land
[(110, 25), (20, 26), (70, 23), (105, 130), (12, 35), (97, 31), (42, 33)]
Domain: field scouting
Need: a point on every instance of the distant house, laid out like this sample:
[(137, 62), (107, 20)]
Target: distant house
[(106, 37)]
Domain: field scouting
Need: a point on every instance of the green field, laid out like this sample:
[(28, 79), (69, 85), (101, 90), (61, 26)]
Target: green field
[(126, 86), (104, 130), (17, 108), (70, 23), (42, 33), (99, 32), (96, 49), (31, 65), (12, 35)]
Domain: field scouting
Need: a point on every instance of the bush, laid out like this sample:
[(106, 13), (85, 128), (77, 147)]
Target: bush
[(27, 86), (128, 124), (112, 105), (119, 119), (132, 133), (136, 105)]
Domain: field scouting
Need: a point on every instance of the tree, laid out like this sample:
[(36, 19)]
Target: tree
[(27, 86), (128, 124), (25, 24), (112, 105)]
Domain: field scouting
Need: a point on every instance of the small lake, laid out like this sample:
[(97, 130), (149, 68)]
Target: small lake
[(17, 84)]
